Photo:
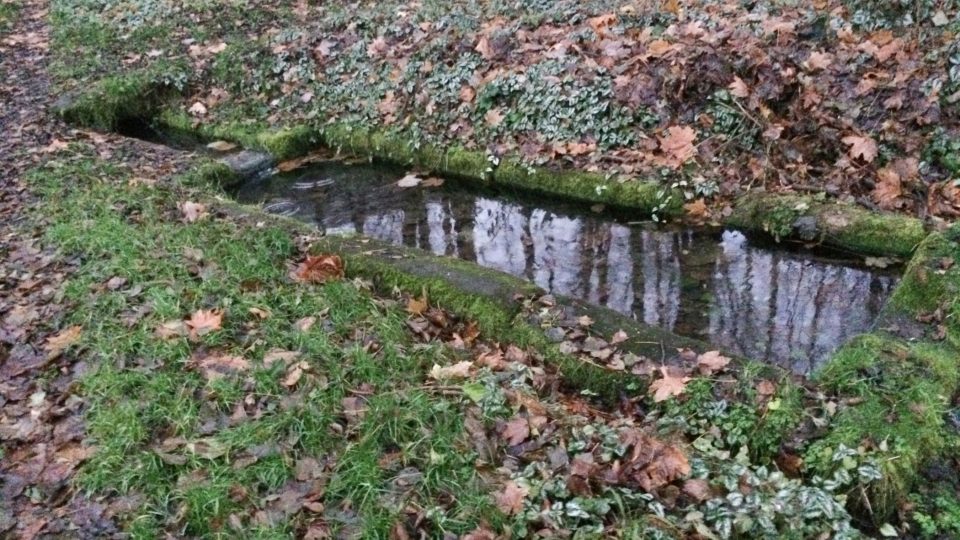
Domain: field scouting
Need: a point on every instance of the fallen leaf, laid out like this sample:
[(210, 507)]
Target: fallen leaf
[(766, 388), (619, 337), (57, 344), (171, 329), (279, 355), (221, 146), (510, 500), (861, 147), (738, 88), (304, 324), (217, 366), (294, 374), (204, 321), (460, 370), (711, 361), (197, 109), (818, 60), (192, 211), (677, 143), (671, 384), (319, 269), (696, 210), (698, 489), (259, 312), (410, 180), (516, 430), (416, 306), (493, 117)]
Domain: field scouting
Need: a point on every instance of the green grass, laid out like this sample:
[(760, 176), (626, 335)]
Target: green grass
[(8, 14), (142, 391)]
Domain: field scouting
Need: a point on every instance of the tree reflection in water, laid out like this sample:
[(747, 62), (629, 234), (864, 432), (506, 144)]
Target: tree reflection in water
[(769, 305)]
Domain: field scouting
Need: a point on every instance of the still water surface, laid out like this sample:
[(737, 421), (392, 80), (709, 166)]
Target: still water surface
[(788, 307)]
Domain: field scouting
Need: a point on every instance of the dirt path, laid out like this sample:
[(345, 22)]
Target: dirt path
[(41, 426)]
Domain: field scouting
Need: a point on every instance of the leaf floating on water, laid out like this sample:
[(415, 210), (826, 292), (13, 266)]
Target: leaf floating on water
[(879, 262), (410, 180)]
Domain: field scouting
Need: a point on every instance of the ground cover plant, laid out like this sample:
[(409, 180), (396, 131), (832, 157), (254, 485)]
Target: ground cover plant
[(238, 383), (174, 365), (855, 100)]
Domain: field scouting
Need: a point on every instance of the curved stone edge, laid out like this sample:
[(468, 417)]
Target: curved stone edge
[(895, 385), (843, 226), (783, 216)]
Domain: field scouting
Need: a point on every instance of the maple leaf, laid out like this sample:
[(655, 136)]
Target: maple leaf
[(57, 344), (888, 189), (861, 147), (516, 430), (493, 117), (818, 60), (677, 143), (670, 385), (192, 211), (696, 209), (711, 361), (738, 88), (510, 500), (319, 269), (204, 321), (416, 306)]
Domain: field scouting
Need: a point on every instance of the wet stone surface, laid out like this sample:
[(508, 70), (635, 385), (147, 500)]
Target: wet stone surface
[(789, 307)]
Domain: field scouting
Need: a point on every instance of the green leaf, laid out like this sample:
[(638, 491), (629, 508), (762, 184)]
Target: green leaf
[(475, 391), (889, 531)]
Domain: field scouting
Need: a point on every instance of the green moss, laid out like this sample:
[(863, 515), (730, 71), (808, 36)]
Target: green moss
[(211, 173), (897, 395), (472, 164), (347, 137), (837, 225), (290, 142), (429, 157), (113, 100), (931, 282), (393, 147), (647, 197)]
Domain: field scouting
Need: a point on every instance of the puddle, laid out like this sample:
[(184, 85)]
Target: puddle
[(783, 306)]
